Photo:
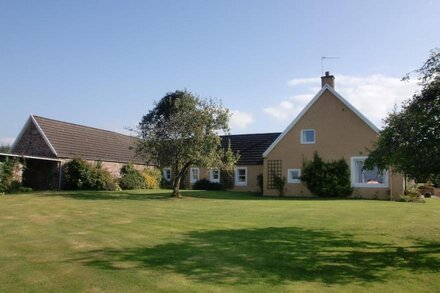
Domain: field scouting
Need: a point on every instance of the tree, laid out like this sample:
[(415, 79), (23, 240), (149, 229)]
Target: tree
[(5, 148), (410, 140), (181, 131)]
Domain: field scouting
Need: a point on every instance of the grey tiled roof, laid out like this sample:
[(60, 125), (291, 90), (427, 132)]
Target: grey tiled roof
[(72, 140), (250, 146)]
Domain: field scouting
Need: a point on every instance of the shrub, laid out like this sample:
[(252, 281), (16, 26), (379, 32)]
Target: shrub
[(152, 178), (327, 179), (16, 187), (131, 178), (260, 182), (280, 184), (7, 169), (204, 184), (103, 180), (81, 175)]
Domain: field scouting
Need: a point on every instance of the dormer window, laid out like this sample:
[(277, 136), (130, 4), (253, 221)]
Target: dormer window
[(308, 136)]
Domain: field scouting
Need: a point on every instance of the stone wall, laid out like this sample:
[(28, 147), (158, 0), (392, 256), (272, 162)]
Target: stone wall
[(32, 143)]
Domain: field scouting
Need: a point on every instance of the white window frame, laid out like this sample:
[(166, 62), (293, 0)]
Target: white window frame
[(302, 136), (237, 182), (191, 179), (290, 180), (164, 172), (211, 175), (365, 185)]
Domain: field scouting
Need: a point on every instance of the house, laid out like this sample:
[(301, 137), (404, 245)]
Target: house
[(328, 125), (47, 144)]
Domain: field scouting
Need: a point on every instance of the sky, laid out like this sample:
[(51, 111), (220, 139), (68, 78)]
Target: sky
[(104, 63)]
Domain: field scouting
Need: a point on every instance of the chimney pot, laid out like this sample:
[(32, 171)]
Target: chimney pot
[(328, 79)]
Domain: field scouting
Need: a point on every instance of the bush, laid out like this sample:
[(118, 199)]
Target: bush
[(412, 195), (131, 178), (7, 169), (260, 182), (280, 184), (204, 184), (16, 187), (327, 179), (81, 175), (152, 178)]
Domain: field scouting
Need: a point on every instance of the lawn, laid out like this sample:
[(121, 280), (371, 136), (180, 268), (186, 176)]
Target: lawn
[(144, 241)]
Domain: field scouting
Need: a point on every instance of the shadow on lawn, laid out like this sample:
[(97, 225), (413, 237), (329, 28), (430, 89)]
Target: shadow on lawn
[(155, 195), (112, 195), (272, 255)]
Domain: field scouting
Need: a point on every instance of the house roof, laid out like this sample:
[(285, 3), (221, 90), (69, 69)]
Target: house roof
[(310, 104), (69, 140), (250, 146)]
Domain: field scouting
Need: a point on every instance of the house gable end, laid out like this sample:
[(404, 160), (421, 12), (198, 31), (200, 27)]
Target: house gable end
[(324, 89), (32, 141)]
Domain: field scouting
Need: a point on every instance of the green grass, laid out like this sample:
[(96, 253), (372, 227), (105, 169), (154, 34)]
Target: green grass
[(144, 241)]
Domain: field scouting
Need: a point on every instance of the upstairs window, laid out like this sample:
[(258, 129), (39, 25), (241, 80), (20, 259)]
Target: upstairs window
[(167, 174), (241, 176), (214, 175), (308, 136), (194, 175), (293, 176)]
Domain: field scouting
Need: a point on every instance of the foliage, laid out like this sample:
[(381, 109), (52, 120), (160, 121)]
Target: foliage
[(260, 182), (7, 170), (4, 148), (412, 195), (205, 184), (131, 178), (182, 130), (411, 135), (152, 178), (81, 175), (280, 184), (227, 179), (16, 187), (327, 179)]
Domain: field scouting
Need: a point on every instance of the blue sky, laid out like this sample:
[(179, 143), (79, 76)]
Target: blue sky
[(104, 63)]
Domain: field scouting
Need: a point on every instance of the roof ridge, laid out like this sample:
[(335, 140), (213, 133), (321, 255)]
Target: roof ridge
[(264, 133), (81, 125)]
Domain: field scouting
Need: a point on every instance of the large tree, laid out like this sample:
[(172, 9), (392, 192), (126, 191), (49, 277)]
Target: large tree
[(410, 140), (181, 131)]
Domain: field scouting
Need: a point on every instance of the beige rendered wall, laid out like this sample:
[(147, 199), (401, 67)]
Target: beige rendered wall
[(340, 133), (252, 173)]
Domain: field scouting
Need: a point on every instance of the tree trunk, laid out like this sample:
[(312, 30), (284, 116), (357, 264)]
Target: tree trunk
[(176, 182), (176, 187)]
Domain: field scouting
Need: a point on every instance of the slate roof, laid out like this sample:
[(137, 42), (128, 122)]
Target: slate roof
[(250, 146), (72, 140)]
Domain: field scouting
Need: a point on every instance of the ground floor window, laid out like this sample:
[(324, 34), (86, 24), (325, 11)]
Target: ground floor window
[(167, 174), (214, 175), (367, 178), (194, 175), (293, 175), (241, 176)]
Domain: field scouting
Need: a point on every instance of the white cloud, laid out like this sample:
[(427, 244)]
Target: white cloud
[(7, 140), (240, 120), (373, 95)]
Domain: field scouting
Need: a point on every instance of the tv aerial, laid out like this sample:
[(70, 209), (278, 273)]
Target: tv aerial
[(325, 58)]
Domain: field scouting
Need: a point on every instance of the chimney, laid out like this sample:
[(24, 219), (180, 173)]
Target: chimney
[(328, 79)]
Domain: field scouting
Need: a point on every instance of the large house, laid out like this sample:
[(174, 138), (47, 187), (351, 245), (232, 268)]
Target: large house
[(328, 125)]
